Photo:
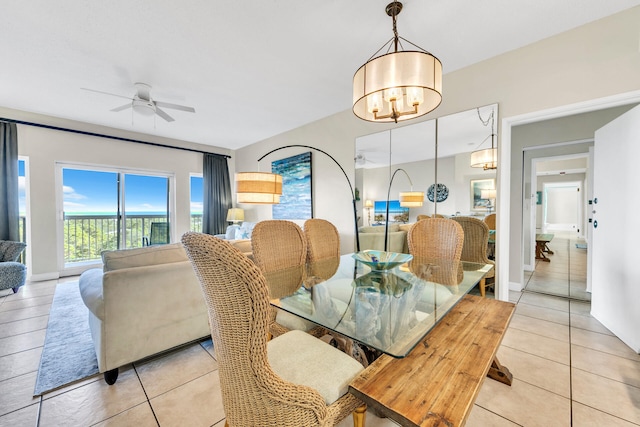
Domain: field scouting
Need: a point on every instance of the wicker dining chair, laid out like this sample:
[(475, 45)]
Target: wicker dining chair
[(474, 249), (438, 239), (292, 380), (323, 240), (490, 220), (421, 217), (281, 245)]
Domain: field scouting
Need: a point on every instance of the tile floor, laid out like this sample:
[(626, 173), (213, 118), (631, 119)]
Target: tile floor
[(568, 371)]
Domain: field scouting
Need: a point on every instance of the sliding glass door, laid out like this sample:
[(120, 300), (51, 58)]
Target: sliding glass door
[(146, 210), (111, 209)]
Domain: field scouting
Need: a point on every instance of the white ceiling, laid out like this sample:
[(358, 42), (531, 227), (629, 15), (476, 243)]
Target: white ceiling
[(251, 69)]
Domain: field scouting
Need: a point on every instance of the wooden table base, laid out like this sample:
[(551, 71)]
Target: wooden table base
[(437, 383)]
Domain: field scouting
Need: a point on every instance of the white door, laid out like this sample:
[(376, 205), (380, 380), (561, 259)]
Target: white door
[(615, 300)]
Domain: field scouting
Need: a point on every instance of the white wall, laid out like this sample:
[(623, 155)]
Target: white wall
[(556, 210), (592, 61)]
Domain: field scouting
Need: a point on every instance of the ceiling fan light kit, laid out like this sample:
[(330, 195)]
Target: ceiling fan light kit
[(400, 85), (144, 104)]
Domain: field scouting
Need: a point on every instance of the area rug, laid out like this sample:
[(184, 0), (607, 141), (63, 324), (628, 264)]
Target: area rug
[(68, 354)]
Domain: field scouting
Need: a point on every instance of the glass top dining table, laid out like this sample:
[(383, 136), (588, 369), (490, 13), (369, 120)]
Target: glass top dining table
[(389, 310)]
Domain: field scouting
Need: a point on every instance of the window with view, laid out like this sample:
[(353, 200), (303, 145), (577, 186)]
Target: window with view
[(112, 209), (196, 203)]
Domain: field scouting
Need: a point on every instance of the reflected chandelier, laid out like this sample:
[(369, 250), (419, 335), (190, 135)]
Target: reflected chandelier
[(400, 85), (487, 158)]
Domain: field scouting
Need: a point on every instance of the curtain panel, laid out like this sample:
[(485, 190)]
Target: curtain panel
[(217, 194), (9, 206)]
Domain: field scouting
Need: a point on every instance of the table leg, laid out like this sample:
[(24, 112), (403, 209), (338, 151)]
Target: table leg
[(540, 252), (359, 352), (500, 372)]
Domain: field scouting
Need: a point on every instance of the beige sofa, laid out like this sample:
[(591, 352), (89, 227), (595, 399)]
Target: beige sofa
[(144, 301), (372, 237)]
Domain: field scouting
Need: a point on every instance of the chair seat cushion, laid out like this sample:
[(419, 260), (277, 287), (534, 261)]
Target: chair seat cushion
[(293, 322), (299, 358)]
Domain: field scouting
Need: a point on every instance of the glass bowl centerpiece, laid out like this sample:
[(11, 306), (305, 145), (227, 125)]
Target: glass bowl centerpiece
[(381, 260)]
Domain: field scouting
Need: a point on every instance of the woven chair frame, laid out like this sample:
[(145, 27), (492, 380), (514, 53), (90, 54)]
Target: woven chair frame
[(490, 220), (476, 240), (237, 297), (323, 240), (438, 239), (280, 245)]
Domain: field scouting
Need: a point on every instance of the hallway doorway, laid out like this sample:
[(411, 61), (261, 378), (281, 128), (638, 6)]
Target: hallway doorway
[(565, 274), (555, 207)]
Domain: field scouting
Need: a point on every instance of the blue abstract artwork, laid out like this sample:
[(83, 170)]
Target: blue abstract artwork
[(295, 202)]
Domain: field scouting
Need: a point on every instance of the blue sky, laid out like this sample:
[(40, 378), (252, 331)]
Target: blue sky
[(97, 191)]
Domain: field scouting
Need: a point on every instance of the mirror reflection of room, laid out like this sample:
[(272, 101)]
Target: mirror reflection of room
[(452, 186)]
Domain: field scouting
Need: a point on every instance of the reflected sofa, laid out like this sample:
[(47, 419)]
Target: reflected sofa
[(372, 237)]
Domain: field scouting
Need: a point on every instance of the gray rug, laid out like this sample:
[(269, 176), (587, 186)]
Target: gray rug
[(68, 354)]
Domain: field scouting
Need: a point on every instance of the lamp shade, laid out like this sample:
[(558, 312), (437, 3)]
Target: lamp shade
[(368, 203), (235, 215), (397, 86), (488, 193), (258, 187), (411, 199), (486, 159)]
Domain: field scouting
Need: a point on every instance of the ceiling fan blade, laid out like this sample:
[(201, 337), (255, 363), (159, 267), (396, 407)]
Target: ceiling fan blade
[(175, 106), (122, 107), (105, 93), (163, 114)]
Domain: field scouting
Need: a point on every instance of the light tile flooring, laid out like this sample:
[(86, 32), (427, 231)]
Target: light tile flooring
[(568, 371)]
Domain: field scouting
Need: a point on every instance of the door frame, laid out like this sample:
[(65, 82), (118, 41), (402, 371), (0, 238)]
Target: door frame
[(503, 207), (69, 270), (529, 262)]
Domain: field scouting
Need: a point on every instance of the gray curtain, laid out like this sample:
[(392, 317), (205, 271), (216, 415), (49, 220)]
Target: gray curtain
[(217, 194), (9, 208)]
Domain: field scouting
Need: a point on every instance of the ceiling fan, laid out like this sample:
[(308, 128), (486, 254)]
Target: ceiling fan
[(142, 103)]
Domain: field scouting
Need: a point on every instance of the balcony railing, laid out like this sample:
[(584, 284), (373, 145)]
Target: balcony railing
[(86, 236)]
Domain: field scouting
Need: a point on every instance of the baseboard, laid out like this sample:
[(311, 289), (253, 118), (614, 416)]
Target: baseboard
[(44, 277), (513, 286)]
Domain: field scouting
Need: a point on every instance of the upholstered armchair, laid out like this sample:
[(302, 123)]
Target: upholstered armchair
[(12, 273)]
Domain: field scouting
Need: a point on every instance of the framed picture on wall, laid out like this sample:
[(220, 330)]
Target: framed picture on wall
[(295, 202), (478, 204)]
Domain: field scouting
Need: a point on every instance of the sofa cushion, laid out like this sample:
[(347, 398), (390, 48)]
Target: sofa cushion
[(406, 227), (379, 228), (245, 230), (151, 255), (231, 232), (371, 229)]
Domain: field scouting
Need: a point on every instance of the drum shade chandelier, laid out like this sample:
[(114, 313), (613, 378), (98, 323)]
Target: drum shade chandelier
[(487, 158), (400, 85)]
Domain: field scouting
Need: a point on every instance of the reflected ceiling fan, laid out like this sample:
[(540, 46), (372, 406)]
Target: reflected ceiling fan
[(143, 103)]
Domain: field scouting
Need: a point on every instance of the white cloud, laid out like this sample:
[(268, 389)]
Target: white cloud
[(70, 194)]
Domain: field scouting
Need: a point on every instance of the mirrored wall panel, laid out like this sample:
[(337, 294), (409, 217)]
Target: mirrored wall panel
[(442, 171)]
